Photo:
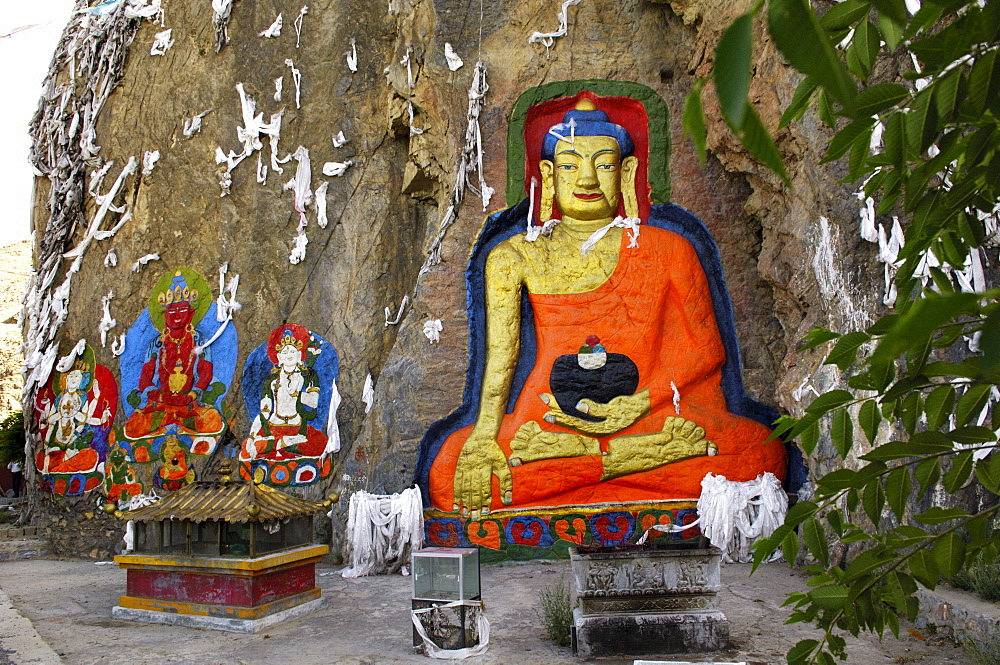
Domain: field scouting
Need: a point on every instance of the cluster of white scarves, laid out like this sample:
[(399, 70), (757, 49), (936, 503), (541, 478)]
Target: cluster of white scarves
[(734, 515), (382, 531)]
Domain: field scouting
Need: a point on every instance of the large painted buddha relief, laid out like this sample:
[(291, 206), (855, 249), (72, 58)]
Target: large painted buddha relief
[(604, 377)]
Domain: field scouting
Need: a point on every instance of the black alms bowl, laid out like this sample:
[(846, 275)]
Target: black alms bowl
[(570, 383)]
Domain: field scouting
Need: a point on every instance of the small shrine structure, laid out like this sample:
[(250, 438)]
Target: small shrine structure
[(230, 555)]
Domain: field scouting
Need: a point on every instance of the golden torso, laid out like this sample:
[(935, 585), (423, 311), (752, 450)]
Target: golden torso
[(555, 265)]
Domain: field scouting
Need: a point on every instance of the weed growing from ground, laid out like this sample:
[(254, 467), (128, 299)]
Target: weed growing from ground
[(982, 578), (557, 611)]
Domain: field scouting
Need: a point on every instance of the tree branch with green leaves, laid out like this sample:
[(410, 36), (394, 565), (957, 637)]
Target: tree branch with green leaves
[(923, 379)]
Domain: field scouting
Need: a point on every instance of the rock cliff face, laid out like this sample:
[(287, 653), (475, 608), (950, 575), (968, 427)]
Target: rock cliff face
[(786, 269), (15, 264)]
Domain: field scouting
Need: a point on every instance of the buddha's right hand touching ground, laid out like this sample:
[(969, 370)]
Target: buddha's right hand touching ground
[(481, 459)]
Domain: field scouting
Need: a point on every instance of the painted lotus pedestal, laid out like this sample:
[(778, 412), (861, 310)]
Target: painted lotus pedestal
[(650, 599), (229, 555)]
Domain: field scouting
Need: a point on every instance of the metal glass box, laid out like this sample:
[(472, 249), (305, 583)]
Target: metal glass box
[(446, 573)]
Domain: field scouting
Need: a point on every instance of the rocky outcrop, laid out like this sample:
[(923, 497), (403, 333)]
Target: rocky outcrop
[(786, 269), (15, 265)]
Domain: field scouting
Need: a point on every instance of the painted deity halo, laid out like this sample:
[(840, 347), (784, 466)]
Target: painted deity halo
[(293, 334), (180, 285)]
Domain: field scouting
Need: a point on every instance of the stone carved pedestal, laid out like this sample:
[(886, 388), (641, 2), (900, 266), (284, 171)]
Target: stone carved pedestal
[(647, 600)]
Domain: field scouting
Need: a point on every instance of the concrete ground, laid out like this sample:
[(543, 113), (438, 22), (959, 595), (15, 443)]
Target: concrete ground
[(55, 609)]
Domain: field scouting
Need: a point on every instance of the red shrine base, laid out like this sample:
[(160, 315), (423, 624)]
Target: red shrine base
[(237, 595)]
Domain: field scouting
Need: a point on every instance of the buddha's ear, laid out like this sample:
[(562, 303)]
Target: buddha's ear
[(630, 166), (548, 190)]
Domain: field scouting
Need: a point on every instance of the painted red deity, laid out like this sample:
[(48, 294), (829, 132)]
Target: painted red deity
[(177, 380)]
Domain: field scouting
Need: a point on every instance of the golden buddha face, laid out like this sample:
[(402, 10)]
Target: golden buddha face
[(586, 178)]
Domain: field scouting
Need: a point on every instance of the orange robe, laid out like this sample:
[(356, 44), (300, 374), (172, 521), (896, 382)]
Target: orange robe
[(656, 309)]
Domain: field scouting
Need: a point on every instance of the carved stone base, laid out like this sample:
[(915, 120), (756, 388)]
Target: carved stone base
[(643, 634), (647, 600)]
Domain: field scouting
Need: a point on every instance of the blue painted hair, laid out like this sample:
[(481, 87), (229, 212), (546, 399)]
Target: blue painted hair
[(587, 123)]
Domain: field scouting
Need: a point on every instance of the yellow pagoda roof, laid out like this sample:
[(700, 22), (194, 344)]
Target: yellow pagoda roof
[(225, 501)]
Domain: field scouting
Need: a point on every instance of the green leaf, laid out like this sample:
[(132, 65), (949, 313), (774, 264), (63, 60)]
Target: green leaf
[(799, 654), (825, 109), (800, 102), (927, 473), (946, 94), (694, 120), (878, 376), (863, 50), (946, 338), (971, 229), (790, 547), (938, 405), (931, 442), (892, 32), (829, 401), (958, 474), (921, 121), (852, 501), (798, 35), (910, 411), (867, 562), (925, 17), (892, 9), (897, 490), (869, 419), (984, 81), (732, 70), (842, 432), (971, 403), (941, 368), (894, 140), (949, 553), (922, 319), (854, 536), (836, 521), (938, 50), (809, 438), (879, 97), (758, 141), (846, 349), (924, 567), (780, 426), (845, 15), (907, 534), (815, 337), (815, 536), (838, 480), (939, 515), (873, 501), (829, 597), (858, 163), (883, 325), (891, 190), (971, 435), (846, 137), (989, 343), (988, 472)]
